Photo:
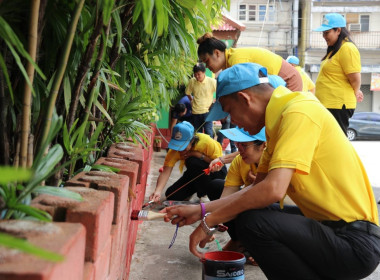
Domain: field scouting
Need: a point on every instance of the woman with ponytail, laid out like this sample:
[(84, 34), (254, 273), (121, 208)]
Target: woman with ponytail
[(339, 80), (216, 56)]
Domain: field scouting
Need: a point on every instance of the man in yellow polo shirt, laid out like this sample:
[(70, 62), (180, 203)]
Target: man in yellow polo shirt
[(334, 234), (200, 91)]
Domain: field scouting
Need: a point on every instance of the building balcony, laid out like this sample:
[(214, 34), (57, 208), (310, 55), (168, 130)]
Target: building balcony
[(363, 40)]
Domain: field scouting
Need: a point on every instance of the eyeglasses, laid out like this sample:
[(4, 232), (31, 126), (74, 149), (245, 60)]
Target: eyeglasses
[(242, 146)]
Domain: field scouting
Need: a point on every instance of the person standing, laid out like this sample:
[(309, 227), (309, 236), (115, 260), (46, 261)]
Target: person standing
[(216, 56), (200, 92), (307, 83), (333, 231), (339, 80)]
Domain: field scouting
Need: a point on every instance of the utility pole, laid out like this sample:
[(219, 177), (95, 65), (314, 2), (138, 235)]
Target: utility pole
[(305, 30)]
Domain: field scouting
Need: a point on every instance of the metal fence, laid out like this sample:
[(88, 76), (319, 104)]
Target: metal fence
[(363, 40)]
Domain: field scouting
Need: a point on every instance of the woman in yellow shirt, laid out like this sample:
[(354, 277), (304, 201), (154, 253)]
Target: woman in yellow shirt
[(338, 82), (195, 151), (214, 54), (241, 173)]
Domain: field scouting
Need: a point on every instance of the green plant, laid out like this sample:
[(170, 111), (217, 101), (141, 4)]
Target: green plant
[(12, 242), (107, 64), (19, 186), (8, 192), (157, 139)]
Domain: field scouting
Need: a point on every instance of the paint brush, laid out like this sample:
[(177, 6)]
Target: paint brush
[(145, 215), (147, 204)]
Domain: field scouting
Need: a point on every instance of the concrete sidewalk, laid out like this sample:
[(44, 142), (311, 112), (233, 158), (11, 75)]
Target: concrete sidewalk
[(154, 261)]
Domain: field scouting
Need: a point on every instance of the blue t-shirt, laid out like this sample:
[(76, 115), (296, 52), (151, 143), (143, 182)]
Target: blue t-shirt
[(184, 100)]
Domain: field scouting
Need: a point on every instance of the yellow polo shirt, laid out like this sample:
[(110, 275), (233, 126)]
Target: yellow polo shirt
[(332, 87), (238, 173), (206, 145), (203, 94), (330, 182), (261, 56), (307, 83)]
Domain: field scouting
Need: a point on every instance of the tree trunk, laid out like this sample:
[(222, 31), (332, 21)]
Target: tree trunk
[(60, 72), (83, 70), (4, 141), (27, 100)]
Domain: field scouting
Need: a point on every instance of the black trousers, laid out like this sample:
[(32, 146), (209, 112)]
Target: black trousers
[(342, 116), (201, 186), (287, 245)]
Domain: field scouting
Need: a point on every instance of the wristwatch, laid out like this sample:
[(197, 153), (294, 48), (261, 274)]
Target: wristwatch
[(202, 157), (206, 228)]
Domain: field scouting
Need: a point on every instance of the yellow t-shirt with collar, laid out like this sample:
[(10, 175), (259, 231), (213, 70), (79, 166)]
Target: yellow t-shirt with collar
[(333, 88), (264, 57), (307, 83), (206, 145), (203, 94), (238, 173), (330, 182)]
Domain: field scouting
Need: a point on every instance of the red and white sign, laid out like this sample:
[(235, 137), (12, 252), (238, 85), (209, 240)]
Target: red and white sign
[(375, 82)]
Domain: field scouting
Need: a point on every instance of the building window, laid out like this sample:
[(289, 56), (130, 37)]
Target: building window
[(252, 13), (256, 13), (364, 23), (263, 11), (242, 12)]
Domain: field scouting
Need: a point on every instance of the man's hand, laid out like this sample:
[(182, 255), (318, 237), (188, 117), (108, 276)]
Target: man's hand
[(251, 177), (182, 214), (215, 165), (199, 237), (156, 197)]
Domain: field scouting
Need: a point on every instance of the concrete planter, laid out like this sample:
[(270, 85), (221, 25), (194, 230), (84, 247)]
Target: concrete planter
[(96, 235)]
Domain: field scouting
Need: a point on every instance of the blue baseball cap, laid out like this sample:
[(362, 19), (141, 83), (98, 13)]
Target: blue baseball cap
[(276, 81), (182, 134), (236, 78), (293, 59), (240, 135), (332, 20)]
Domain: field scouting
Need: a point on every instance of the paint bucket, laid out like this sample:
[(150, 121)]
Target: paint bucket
[(223, 265)]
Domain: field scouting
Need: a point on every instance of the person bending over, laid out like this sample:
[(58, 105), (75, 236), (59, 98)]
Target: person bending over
[(333, 233), (214, 53)]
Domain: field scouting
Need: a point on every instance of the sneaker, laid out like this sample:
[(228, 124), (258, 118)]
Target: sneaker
[(204, 199), (194, 198)]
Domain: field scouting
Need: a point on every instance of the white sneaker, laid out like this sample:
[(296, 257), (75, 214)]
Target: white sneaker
[(204, 199), (194, 198)]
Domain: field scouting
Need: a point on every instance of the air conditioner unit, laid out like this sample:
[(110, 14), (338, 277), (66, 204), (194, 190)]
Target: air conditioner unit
[(354, 27)]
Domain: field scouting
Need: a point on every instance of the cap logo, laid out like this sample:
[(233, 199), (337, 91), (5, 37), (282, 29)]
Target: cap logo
[(325, 21), (178, 135)]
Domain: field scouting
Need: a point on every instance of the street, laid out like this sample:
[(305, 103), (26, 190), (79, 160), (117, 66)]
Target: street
[(369, 152)]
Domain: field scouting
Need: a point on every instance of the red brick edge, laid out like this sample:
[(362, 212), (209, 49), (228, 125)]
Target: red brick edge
[(96, 236)]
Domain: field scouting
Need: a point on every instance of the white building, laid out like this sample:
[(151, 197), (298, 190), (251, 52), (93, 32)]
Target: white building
[(269, 24), (363, 21)]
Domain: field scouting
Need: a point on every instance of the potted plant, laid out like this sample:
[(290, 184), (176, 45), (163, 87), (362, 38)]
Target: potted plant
[(157, 143)]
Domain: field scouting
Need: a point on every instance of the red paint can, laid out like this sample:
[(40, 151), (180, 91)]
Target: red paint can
[(223, 265)]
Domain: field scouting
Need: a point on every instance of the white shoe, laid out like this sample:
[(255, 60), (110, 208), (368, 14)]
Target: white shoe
[(204, 199), (194, 198)]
